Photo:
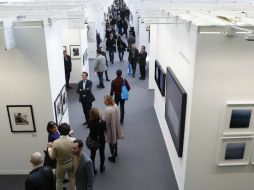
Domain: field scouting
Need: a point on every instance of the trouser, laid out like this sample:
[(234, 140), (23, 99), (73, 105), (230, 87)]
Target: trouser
[(133, 66), (100, 76), (86, 109), (129, 69), (111, 52), (102, 156), (142, 68), (118, 100), (67, 78), (61, 170), (121, 54), (125, 32), (113, 149), (106, 74)]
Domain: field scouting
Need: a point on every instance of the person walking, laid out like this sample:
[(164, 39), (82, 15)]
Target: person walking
[(113, 127), (86, 96), (100, 67), (97, 128), (142, 62), (82, 167), (133, 58), (111, 47), (121, 47)]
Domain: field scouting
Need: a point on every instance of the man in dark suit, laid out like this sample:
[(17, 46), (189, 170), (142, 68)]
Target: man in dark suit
[(67, 68), (83, 167), (85, 95), (142, 63), (41, 177), (133, 58)]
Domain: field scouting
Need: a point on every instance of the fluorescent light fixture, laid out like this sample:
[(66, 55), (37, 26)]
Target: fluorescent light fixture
[(210, 32)]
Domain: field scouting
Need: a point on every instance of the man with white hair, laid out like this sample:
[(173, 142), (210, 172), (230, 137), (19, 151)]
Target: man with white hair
[(41, 177)]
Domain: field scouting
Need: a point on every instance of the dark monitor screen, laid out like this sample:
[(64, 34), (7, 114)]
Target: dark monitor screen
[(235, 151), (240, 118)]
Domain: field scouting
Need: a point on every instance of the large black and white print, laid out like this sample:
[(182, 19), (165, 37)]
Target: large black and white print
[(63, 100), (21, 118), (58, 105)]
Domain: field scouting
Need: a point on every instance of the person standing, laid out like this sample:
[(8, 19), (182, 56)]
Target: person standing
[(113, 127), (105, 55), (41, 177), (82, 166), (142, 62), (61, 150), (116, 89), (121, 47), (100, 67), (111, 47), (97, 128), (67, 68), (133, 58), (86, 96)]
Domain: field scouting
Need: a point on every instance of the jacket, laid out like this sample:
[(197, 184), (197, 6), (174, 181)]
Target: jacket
[(100, 64), (67, 64), (116, 86), (97, 130), (85, 95), (133, 55)]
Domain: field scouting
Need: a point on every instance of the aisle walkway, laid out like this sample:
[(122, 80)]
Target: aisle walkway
[(143, 162)]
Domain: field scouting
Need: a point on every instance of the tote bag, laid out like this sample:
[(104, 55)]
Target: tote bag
[(124, 92)]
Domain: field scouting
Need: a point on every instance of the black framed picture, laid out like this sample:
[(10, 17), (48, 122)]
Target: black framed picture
[(162, 79), (75, 51), (58, 106), (21, 118), (175, 110), (85, 57), (156, 72), (63, 100)]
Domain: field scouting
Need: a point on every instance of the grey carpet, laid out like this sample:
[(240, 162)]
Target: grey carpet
[(143, 162)]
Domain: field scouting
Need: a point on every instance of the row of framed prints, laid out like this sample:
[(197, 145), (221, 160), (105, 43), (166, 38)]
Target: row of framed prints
[(60, 105), (237, 139), (175, 104)]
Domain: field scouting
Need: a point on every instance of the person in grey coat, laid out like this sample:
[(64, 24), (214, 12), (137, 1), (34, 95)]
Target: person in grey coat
[(82, 166), (100, 67)]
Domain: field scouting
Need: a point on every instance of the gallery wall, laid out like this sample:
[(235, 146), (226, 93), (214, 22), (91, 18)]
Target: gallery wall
[(223, 72), (24, 80), (174, 42)]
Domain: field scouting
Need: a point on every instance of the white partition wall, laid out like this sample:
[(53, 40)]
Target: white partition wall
[(30, 74), (213, 69)]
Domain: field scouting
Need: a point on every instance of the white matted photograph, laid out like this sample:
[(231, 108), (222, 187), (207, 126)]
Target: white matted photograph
[(58, 105), (235, 151), (75, 51), (21, 118)]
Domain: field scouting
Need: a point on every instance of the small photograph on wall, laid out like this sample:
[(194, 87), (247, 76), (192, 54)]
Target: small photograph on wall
[(21, 118), (58, 108), (75, 51), (235, 151), (63, 100), (85, 57), (238, 118)]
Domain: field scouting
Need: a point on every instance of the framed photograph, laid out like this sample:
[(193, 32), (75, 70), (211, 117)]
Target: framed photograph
[(238, 118), (75, 51), (162, 79), (235, 151), (175, 110), (63, 100), (85, 57), (58, 108), (156, 72), (21, 118), (64, 48)]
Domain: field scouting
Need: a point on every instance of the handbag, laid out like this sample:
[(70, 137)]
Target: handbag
[(92, 144), (124, 92)]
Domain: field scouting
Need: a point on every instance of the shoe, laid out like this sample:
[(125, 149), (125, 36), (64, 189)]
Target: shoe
[(107, 80), (102, 169), (85, 123), (95, 171), (121, 121), (69, 87), (142, 79), (112, 159), (98, 86), (133, 75)]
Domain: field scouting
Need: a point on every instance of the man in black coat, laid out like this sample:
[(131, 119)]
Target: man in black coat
[(111, 47), (85, 95), (67, 68), (142, 63), (41, 177), (133, 58)]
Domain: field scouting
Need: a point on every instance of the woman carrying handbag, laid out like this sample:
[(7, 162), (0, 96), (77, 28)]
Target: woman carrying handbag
[(97, 128)]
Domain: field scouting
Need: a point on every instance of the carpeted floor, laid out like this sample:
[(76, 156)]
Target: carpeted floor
[(143, 162)]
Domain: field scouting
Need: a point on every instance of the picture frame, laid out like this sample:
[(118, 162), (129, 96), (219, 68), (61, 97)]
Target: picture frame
[(85, 57), (64, 48), (238, 118), (175, 109), (64, 103), (21, 118), (156, 72), (162, 80), (75, 51), (235, 151), (58, 106)]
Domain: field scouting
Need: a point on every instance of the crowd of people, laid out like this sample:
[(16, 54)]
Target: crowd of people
[(65, 153)]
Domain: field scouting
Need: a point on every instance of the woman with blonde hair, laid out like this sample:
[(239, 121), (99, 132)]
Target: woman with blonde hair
[(113, 127), (97, 128)]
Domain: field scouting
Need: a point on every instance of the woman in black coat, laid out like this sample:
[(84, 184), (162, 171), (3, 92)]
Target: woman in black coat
[(97, 128)]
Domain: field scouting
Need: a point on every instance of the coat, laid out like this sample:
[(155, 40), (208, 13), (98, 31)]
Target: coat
[(113, 127), (84, 174), (85, 95), (100, 64)]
